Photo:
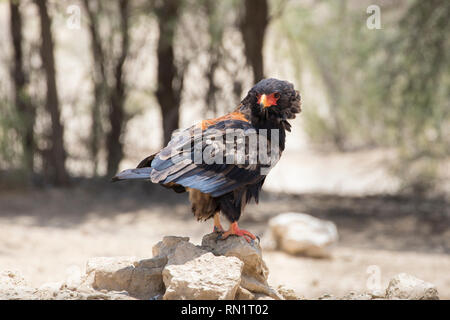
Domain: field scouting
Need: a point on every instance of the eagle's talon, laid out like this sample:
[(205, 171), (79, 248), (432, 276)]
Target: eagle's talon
[(235, 231)]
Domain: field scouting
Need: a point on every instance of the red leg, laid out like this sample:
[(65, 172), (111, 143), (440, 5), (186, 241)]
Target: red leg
[(234, 230)]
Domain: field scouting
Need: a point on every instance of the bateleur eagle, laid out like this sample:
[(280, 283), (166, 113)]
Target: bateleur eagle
[(225, 181)]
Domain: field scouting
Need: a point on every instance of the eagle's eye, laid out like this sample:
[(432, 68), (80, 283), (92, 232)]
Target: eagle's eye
[(276, 95)]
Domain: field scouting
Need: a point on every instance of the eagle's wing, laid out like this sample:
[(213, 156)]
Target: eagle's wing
[(179, 161)]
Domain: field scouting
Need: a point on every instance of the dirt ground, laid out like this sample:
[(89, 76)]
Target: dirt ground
[(46, 233)]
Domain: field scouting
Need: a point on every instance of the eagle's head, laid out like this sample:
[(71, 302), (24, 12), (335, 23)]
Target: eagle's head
[(273, 100)]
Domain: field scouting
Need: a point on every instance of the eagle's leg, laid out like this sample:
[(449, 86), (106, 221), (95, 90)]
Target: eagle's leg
[(234, 230), (217, 226)]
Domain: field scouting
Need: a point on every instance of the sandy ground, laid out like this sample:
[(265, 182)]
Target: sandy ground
[(45, 234)]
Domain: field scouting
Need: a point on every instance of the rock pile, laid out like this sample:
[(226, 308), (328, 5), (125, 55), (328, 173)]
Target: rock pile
[(217, 269)]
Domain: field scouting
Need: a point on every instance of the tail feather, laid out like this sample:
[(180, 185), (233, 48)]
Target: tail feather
[(131, 174)]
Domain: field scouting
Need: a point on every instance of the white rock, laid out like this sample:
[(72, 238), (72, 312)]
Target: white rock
[(14, 286), (287, 293), (249, 254), (74, 277), (184, 252), (108, 264), (302, 234), (110, 273), (51, 286), (141, 279), (255, 272), (12, 278), (167, 245), (405, 286), (206, 277)]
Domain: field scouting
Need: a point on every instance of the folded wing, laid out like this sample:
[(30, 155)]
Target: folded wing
[(183, 160)]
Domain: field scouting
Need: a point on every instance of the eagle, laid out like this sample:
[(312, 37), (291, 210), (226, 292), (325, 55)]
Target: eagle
[(223, 177)]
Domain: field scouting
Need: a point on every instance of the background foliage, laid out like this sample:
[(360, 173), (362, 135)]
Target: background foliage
[(386, 88)]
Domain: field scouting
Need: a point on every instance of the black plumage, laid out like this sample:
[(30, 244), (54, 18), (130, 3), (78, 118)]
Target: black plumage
[(222, 186)]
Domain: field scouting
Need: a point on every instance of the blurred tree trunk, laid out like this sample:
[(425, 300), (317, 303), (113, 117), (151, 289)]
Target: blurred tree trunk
[(253, 29), (215, 49), (117, 96), (333, 91), (100, 81), (170, 80), (22, 100), (57, 153)]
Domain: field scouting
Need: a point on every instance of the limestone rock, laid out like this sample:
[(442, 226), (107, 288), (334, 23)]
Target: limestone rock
[(244, 294), (14, 287), (110, 273), (302, 234), (255, 271), (184, 252), (405, 286), (141, 279), (288, 294), (156, 262), (249, 253), (64, 293), (168, 245), (206, 277), (357, 296), (10, 278)]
